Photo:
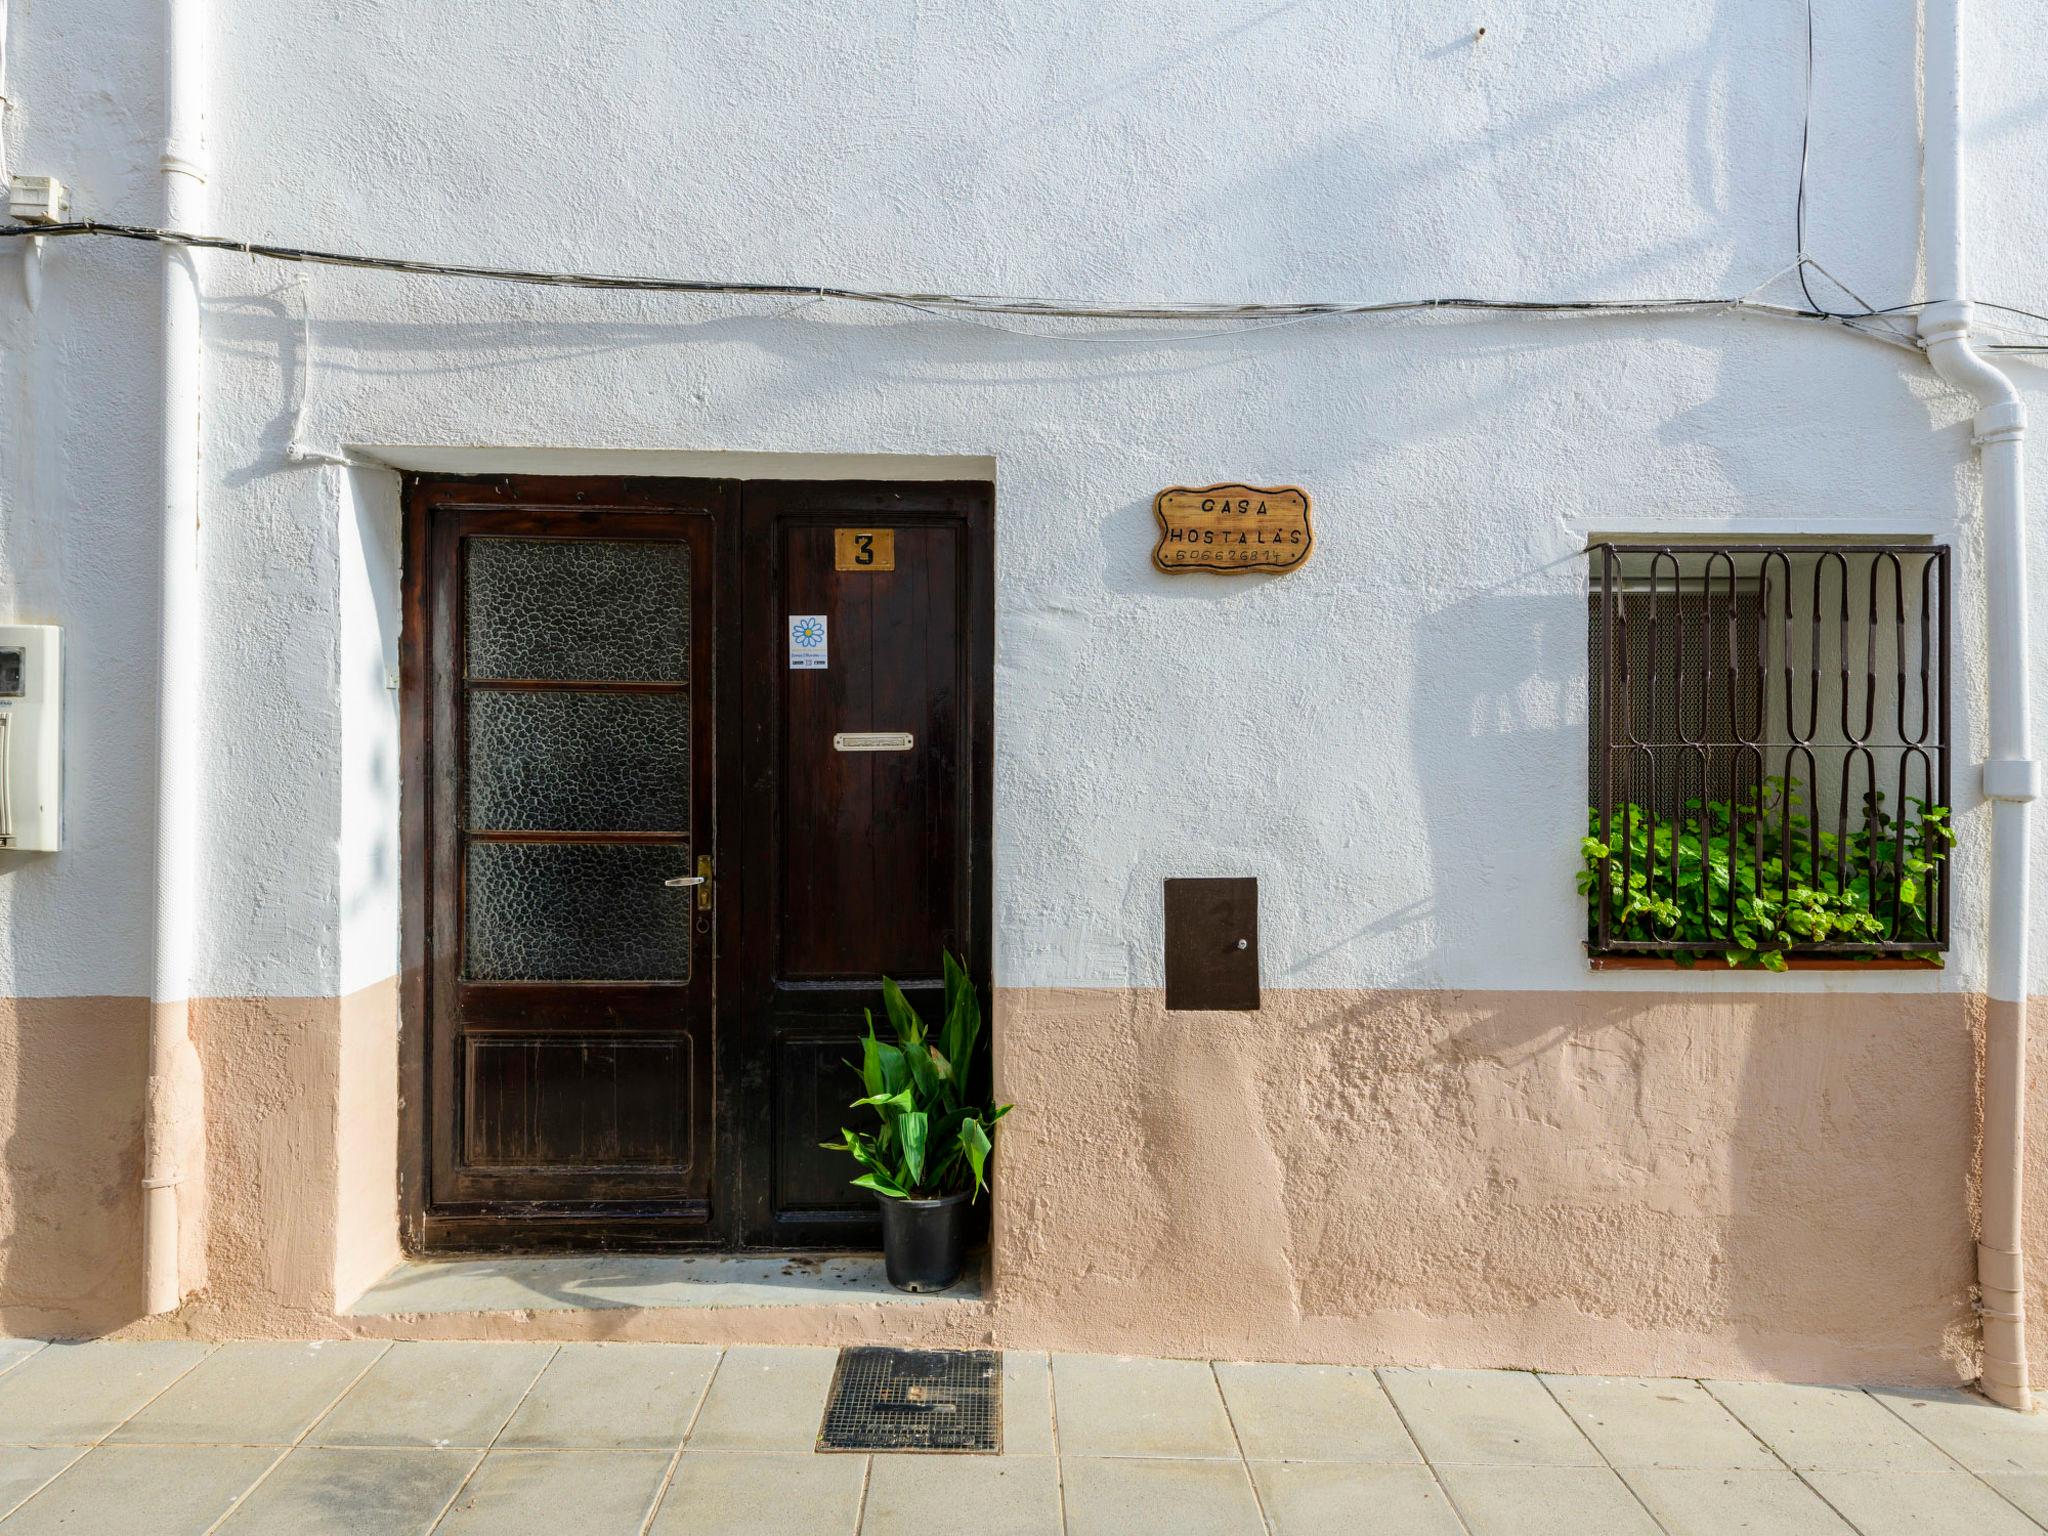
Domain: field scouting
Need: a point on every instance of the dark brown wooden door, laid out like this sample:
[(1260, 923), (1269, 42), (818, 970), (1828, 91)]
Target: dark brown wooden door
[(599, 700), (860, 863), (571, 739)]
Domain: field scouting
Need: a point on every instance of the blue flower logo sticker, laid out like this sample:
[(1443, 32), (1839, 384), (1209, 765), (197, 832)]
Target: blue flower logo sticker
[(806, 632)]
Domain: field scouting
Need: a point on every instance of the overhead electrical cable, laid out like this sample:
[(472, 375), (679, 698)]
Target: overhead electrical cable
[(1880, 324), (962, 304), (1805, 145)]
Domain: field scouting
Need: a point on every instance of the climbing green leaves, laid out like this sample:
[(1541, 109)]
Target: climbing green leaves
[(1754, 878)]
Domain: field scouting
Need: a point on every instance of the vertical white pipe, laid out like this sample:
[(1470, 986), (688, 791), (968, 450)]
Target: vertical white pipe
[(2010, 775), (5, 104), (172, 1108)]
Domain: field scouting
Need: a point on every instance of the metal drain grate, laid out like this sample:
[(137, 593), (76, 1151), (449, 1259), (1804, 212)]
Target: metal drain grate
[(915, 1400)]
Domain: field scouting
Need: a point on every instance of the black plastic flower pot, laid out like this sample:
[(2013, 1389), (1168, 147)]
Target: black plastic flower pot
[(924, 1242)]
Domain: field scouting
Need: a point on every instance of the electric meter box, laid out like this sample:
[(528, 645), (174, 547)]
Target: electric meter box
[(31, 738)]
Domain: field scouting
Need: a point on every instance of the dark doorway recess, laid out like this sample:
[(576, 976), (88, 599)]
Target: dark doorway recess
[(653, 871)]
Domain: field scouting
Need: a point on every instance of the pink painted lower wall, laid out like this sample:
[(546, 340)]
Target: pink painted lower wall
[(2035, 1234), (71, 1082), (366, 1140), (297, 1208), (1768, 1186)]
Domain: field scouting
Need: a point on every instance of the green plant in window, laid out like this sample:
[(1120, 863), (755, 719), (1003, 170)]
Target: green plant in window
[(1755, 875), (935, 1137)]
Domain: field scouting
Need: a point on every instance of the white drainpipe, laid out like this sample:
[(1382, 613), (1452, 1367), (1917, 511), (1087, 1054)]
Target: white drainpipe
[(173, 1109), (5, 104), (2010, 775)]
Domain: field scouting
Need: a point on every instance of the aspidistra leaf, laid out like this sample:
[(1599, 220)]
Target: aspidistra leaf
[(974, 1138), (911, 1130), (909, 1027)]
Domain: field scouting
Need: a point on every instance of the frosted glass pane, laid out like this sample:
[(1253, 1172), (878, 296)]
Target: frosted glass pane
[(595, 610), (576, 912), (583, 762)]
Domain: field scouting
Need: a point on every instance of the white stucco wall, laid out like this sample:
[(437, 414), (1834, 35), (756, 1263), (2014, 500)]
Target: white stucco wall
[(1392, 738)]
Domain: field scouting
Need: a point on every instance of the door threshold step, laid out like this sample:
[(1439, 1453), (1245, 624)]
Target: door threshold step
[(608, 1282)]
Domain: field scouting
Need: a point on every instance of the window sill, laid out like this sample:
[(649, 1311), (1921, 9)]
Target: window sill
[(1792, 962)]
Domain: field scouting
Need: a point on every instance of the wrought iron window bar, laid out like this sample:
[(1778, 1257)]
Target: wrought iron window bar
[(1716, 668)]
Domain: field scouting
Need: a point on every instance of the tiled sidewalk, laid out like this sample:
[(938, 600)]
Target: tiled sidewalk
[(365, 1438)]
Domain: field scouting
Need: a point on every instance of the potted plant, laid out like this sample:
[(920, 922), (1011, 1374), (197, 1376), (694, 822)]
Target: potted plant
[(928, 1159)]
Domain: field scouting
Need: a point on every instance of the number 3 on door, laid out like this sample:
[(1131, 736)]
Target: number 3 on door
[(863, 549)]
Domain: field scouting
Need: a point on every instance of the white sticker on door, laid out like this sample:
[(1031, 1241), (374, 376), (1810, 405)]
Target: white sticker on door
[(806, 642)]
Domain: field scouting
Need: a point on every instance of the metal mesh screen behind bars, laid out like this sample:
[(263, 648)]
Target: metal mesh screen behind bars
[(1766, 719)]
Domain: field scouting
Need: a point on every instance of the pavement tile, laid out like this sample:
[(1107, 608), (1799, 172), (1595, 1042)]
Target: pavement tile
[(744, 1493), (1638, 1421), (24, 1469), (1734, 1501), (1157, 1496), (320, 1492), (1313, 1413), (2029, 1490), (164, 1491), (1314, 1498), (1837, 1429), (1891, 1503), (613, 1396), (251, 1394), (1975, 1431), (988, 1495), (434, 1395), (1545, 1501), (14, 1351), (1487, 1418), (765, 1399), (548, 1493), (1144, 1445), (1027, 1403), (76, 1394), (1110, 1406)]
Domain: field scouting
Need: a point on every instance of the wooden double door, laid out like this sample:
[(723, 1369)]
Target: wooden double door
[(689, 766)]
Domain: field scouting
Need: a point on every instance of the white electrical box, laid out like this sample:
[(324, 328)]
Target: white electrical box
[(31, 738), (37, 200)]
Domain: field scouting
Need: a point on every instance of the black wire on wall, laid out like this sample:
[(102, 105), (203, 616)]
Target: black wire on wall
[(1881, 324), (1870, 321)]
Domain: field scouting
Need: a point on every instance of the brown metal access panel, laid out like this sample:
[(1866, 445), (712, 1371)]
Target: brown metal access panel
[(1212, 944)]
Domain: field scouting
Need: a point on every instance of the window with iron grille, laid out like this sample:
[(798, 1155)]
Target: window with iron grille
[(1768, 761)]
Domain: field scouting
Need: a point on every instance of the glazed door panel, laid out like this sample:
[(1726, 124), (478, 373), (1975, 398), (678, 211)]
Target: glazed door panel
[(571, 721)]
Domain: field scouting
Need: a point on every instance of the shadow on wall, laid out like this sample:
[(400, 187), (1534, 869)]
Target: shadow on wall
[(71, 1087), (1788, 1174), (1687, 119), (1632, 1183), (370, 602), (1498, 718), (1791, 1174)]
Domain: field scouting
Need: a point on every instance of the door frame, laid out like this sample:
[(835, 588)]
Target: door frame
[(739, 880)]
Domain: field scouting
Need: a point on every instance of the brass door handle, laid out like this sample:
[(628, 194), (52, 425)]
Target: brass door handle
[(685, 880)]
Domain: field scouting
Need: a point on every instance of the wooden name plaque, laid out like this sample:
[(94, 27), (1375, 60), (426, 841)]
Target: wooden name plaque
[(1232, 528)]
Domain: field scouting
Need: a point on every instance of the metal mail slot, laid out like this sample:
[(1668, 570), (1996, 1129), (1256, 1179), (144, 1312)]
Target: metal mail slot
[(873, 741)]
